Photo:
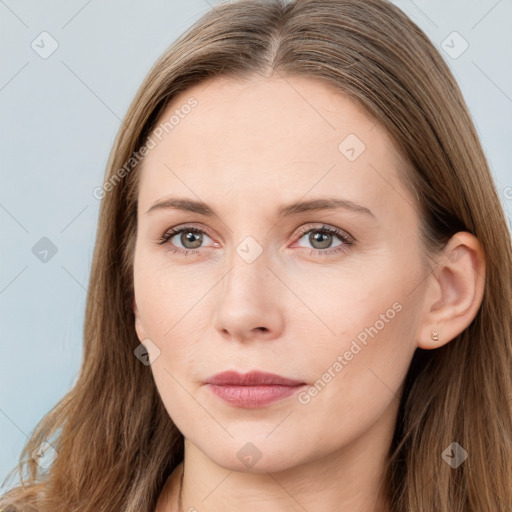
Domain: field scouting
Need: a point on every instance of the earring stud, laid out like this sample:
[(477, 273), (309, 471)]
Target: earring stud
[(435, 336)]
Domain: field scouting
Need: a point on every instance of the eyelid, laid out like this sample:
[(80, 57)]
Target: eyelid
[(346, 238), (172, 232), (325, 227), (299, 232)]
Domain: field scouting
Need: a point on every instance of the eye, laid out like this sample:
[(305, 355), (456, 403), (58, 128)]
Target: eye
[(189, 237), (321, 238)]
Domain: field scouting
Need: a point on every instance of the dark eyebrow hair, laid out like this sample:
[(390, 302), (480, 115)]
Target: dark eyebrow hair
[(329, 203)]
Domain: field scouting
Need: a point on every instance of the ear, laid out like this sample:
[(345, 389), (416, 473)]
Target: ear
[(138, 323), (454, 292)]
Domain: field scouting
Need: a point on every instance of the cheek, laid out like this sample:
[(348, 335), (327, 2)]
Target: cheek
[(165, 295), (368, 339), (357, 380), (178, 397)]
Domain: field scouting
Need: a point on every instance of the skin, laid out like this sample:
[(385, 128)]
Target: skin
[(247, 148)]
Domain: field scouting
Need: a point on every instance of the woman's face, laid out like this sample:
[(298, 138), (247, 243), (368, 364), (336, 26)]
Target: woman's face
[(253, 284)]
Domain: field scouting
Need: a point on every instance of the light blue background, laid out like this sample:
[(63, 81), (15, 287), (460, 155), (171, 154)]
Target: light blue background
[(59, 117)]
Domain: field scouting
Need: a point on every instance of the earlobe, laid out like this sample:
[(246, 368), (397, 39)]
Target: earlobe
[(455, 291)]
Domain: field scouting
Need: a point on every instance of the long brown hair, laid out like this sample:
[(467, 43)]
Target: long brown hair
[(115, 441)]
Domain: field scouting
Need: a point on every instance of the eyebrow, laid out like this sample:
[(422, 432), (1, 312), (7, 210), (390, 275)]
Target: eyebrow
[(329, 203)]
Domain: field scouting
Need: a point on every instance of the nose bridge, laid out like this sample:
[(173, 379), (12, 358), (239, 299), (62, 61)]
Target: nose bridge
[(248, 264), (248, 245), (247, 301)]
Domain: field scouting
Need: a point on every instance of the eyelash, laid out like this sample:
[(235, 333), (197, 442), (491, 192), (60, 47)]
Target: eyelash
[(347, 240)]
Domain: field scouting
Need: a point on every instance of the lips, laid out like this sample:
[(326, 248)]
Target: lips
[(252, 390), (254, 378)]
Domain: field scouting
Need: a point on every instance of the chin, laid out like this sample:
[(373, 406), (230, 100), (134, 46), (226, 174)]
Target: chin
[(258, 454)]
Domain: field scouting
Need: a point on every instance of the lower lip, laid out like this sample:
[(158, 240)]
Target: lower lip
[(251, 397)]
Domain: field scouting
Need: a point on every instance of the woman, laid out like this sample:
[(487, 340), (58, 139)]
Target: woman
[(229, 366)]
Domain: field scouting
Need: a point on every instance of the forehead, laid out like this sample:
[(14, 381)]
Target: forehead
[(270, 139)]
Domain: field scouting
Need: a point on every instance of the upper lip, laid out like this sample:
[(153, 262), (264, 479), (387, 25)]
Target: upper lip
[(254, 378)]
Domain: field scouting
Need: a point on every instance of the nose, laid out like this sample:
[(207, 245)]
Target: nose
[(250, 301)]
